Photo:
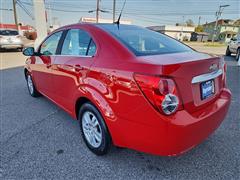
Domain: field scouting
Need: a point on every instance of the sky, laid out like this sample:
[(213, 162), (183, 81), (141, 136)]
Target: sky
[(140, 12)]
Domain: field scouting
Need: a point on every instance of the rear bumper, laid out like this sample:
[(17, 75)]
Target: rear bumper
[(192, 129), (11, 46), (177, 135)]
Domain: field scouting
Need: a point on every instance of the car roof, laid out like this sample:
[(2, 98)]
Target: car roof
[(114, 26), (104, 26)]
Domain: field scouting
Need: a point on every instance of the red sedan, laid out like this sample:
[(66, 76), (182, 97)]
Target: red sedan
[(130, 87)]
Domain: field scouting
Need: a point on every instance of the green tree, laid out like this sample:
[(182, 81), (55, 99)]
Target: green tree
[(199, 28)]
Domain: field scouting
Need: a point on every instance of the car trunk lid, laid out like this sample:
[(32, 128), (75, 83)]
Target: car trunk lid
[(196, 74)]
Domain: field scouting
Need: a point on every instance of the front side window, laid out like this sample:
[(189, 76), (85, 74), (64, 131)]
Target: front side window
[(79, 43), (49, 47)]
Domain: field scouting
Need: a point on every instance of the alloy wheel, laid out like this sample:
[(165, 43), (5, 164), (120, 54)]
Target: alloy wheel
[(30, 84), (91, 129)]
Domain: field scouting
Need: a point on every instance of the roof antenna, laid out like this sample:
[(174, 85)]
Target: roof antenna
[(120, 15)]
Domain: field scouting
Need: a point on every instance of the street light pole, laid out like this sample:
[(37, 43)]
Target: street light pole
[(218, 15), (15, 14), (114, 10)]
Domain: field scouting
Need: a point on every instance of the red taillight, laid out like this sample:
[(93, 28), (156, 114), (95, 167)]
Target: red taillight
[(161, 92)]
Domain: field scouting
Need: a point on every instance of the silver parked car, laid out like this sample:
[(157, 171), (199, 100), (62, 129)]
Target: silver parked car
[(10, 39), (234, 47)]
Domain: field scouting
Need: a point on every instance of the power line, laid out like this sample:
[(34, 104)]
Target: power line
[(173, 13), (145, 14), (140, 12), (5, 9), (60, 4), (25, 9), (56, 9)]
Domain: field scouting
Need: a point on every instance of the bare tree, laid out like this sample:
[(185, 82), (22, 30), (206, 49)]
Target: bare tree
[(190, 23)]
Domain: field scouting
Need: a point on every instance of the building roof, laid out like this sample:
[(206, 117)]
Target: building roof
[(225, 22), (237, 22), (13, 26), (101, 20), (172, 28), (202, 33), (228, 32)]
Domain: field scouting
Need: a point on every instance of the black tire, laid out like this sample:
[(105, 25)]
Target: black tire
[(238, 54), (106, 142), (32, 91), (228, 52)]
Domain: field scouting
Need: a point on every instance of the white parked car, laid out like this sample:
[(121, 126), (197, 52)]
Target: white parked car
[(10, 39), (234, 47)]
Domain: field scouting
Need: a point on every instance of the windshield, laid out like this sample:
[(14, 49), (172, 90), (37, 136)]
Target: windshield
[(144, 42), (8, 33)]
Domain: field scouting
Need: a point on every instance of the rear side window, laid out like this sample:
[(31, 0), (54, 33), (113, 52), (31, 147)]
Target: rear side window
[(8, 33), (50, 45), (91, 49), (78, 42)]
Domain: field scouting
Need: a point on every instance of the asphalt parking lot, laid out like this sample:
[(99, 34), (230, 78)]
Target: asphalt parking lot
[(40, 141)]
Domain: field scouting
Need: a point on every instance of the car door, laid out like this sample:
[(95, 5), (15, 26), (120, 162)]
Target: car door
[(42, 68), (72, 65)]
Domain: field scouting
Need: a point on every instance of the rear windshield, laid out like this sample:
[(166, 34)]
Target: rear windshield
[(143, 42), (8, 33)]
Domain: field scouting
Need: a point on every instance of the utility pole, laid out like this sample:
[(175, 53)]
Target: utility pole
[(15, 14), (40, 21), (97, 11), (199, 20), (114, 10), (50, 16), (218, 15), (183, 24)]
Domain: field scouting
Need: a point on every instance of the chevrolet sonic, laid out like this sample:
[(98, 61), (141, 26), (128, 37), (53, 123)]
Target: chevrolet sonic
[(130, 87)]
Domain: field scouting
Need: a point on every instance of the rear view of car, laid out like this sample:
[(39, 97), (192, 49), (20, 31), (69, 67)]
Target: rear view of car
[(10, 39), (130, 87), (187, 88)]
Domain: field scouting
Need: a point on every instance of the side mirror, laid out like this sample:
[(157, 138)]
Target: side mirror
[(29, 51)]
